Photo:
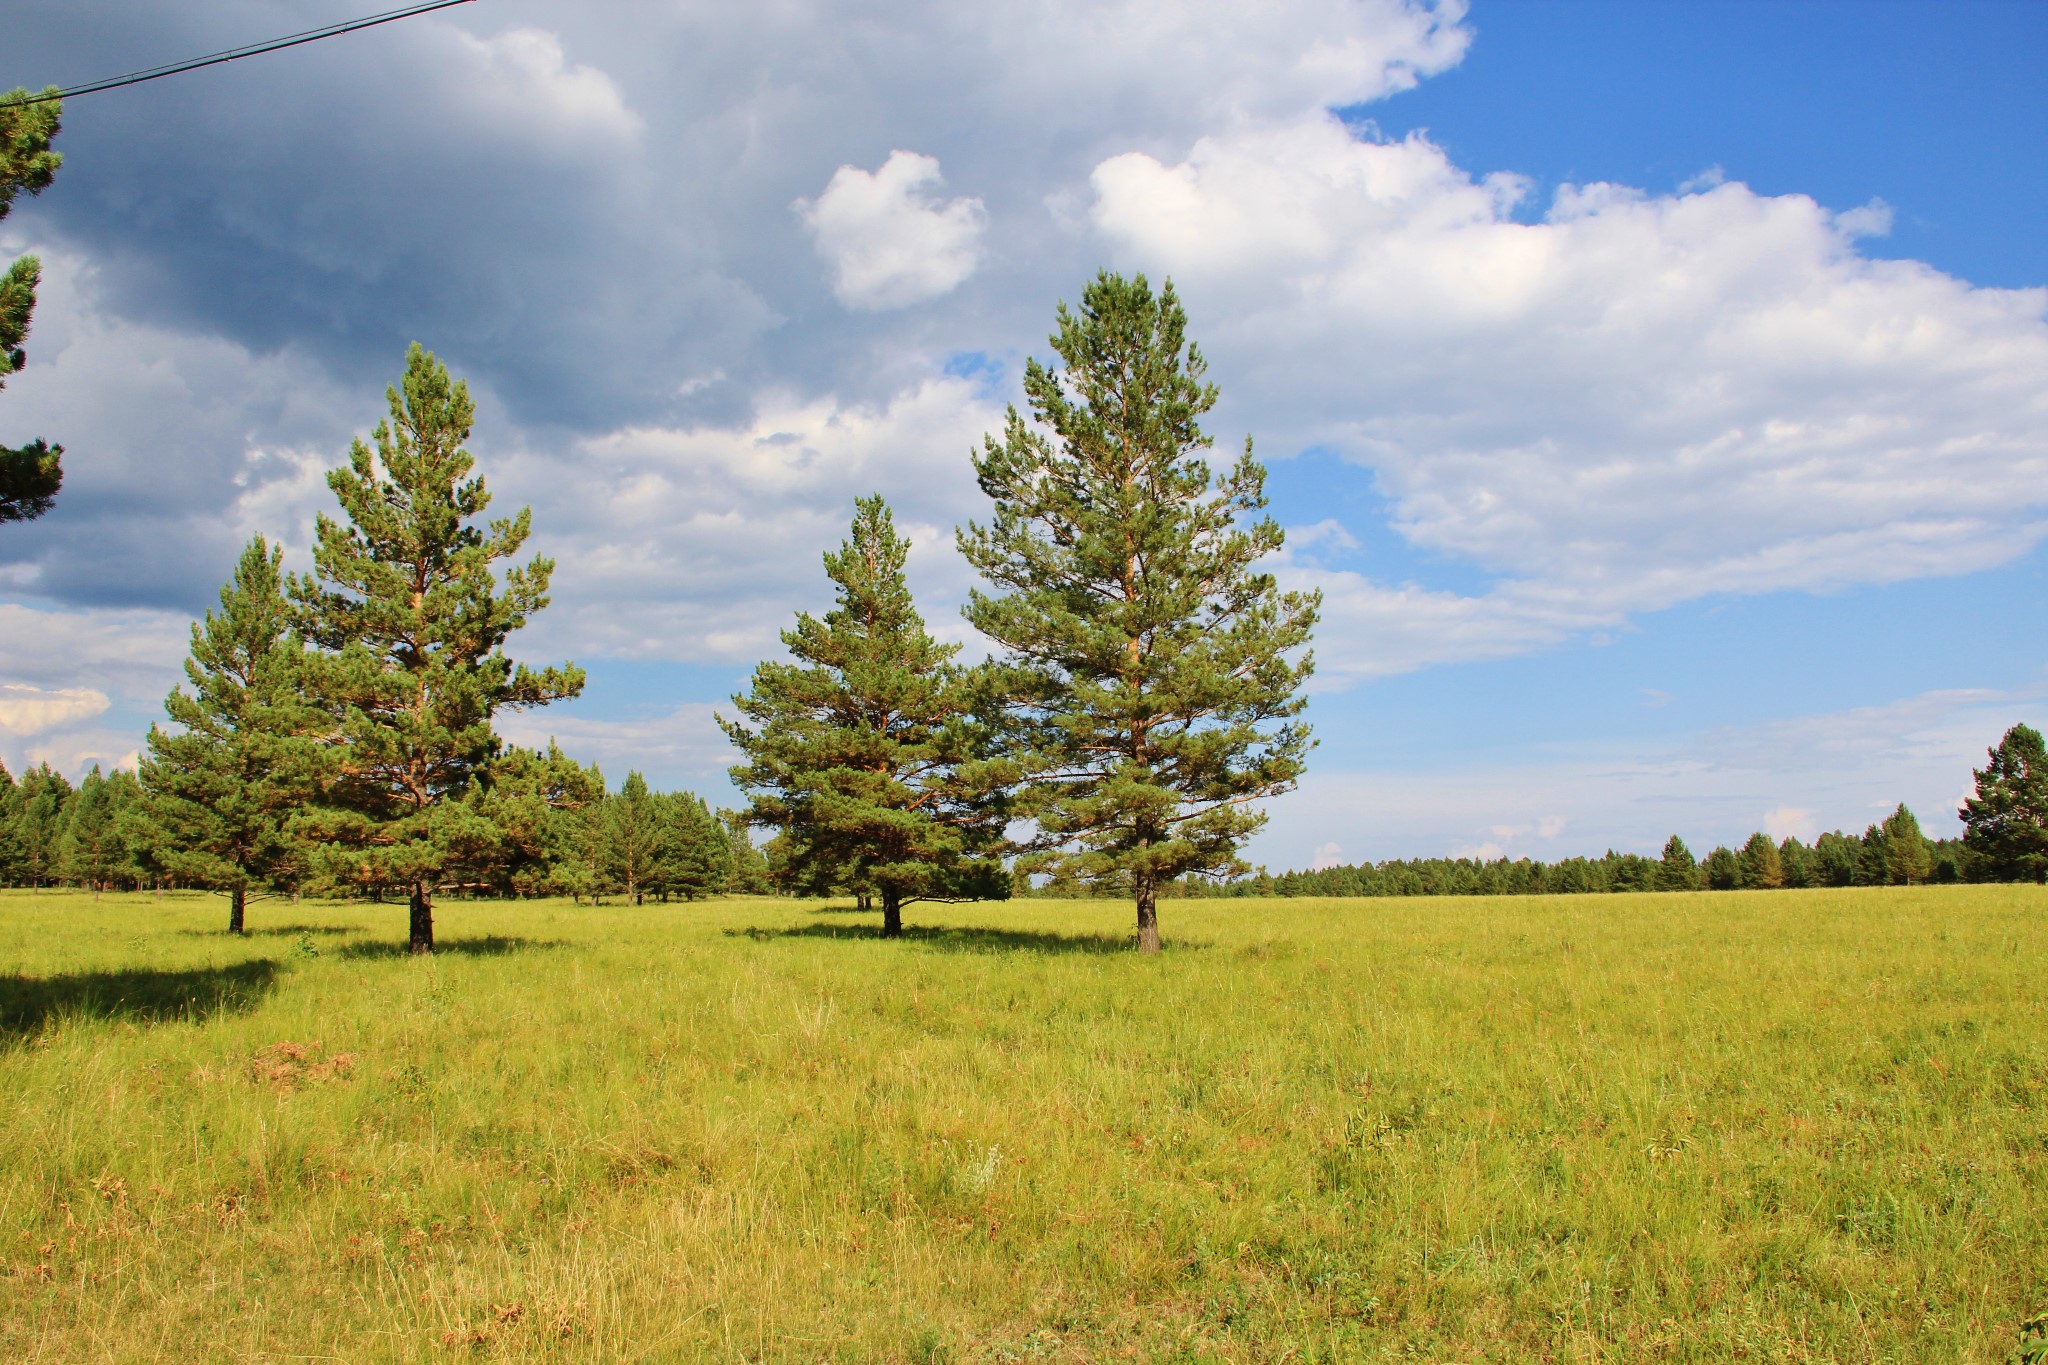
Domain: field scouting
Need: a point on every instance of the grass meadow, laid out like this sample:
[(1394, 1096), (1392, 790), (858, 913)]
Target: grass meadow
[(1797, 1126)]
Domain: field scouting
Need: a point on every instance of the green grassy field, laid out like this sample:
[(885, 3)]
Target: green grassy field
[(1776, 1126)]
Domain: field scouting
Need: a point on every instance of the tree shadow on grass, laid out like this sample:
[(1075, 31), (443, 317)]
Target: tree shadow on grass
[(947, 939), (490, 945), (280, 931), (140, 995)]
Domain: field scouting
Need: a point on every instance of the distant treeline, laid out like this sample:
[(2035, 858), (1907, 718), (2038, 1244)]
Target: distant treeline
[(1877, 858), (639, 843), (1891, 853)]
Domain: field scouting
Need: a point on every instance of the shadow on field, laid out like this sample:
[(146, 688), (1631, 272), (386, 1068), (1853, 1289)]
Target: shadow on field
[(280, 931), (959, 940), (491, 945), (140, 995)]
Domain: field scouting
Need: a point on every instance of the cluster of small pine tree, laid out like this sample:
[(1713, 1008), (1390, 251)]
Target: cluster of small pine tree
[(638, 843), (108, 834), (93, 835)]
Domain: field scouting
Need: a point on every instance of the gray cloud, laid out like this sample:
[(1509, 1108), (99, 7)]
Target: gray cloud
[(585, 212)]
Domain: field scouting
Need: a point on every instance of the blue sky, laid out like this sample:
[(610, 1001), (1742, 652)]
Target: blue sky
[(1653, 389), (1934, 108)]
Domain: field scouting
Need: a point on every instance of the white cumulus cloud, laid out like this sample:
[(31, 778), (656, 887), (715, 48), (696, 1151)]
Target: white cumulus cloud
[(889, 240), (28, 710), (699, 541), (1633, 401)]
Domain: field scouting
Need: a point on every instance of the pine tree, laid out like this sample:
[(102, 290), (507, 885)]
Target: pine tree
[(1762, 869), (1797, 860), (143, 840), (1676, 870), (1873, 859), (1835, 859), (31, 475), (89, 851), (866, 751), (540, 804), (412, 621), (1148, 661), (10, 829), (702, 861), (1907, 859), (2005, 824), (222, 788), (1949, 858), (39, 824), (1722, 871), (133, 851), (638, 838)]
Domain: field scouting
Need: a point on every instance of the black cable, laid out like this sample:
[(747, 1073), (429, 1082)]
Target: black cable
[(312, 35)]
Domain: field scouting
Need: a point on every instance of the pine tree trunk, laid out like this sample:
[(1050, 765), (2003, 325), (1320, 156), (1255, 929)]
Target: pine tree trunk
[(422, 918), (1148, 913), (892, 915), (238, 900)]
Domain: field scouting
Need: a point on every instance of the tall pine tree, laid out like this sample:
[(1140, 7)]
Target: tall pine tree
[(1154, 673), (223, 786), (866, 751), (2005, 823), (412, 621), (29, 475)]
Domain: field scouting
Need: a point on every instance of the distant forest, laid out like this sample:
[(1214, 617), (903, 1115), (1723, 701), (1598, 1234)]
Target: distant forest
[(1894, 853)]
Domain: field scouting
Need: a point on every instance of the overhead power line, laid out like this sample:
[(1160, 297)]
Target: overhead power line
[(311, 35)]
